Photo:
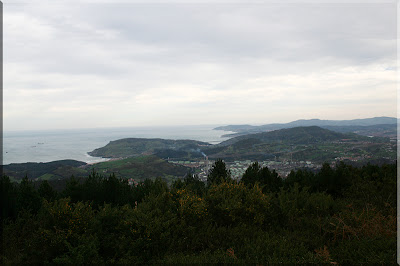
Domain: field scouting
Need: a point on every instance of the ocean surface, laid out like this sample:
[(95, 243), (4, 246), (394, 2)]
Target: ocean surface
[(52, 145)]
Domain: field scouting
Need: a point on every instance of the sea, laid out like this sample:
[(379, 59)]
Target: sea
[(51, 145)]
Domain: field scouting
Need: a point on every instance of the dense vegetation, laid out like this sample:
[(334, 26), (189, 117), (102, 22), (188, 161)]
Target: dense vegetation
[(309, 143), (138, 168), (304, 143), (132, 147), (44, 171), (344, 214)]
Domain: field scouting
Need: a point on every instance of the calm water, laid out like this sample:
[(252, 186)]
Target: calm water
[(46, 146)]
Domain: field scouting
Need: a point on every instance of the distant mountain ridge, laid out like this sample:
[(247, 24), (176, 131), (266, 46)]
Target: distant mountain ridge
[(364, 125), (296, 135)]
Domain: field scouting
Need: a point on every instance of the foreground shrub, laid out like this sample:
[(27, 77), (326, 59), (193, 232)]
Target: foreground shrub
[(231, 204), (368, 222), (66, 234), (298, 207)]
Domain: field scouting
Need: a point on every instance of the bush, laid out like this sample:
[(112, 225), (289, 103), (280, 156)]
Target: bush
[(231, 204), (298, 207), (66, 230)]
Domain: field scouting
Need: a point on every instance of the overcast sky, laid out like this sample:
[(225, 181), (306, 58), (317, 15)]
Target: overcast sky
[(116, 65)]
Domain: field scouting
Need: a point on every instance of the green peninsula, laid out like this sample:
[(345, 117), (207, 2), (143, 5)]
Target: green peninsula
[(133, 147)]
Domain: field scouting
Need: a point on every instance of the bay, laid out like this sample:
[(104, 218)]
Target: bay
[(52, 145)]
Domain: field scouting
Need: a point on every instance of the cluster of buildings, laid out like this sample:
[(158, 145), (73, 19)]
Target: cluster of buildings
[(238, 168)]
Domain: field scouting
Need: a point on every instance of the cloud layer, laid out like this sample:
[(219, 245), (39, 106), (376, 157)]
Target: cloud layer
[(103, 65)]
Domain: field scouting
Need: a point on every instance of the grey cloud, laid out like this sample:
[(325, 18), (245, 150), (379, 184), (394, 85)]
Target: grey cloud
[(92, 50), (224, 33)]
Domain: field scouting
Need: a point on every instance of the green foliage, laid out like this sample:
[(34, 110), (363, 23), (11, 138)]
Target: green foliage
[(273, 248), (147, 187), (191, 182), (18, 238), (218, 173), (46, 191), (297, 206), (303, 143), (333, 181), (133, 147), (355, 223), (113, 189), (374, 185), (73, 189), (157, 219), (117, 231), (28, 198), (8, 198), (270, 181), (250, 176), (366, 251), (231, 204), (65, 231), (99, 189), (35, 170), (85, 252), (60, 230), (303, 177), (350, 220), (192, 208), (141, 168)]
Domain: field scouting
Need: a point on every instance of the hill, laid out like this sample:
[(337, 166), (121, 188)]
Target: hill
[(297, 135), (138, 168), (373, 126), (133, 147), (146, 158), (300, 143), (381, 130), (45, 171), (303, 144)]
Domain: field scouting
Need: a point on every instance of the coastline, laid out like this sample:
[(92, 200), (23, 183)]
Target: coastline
[(22, 147)]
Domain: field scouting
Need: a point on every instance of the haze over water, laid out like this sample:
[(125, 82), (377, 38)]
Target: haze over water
[(51, 145)]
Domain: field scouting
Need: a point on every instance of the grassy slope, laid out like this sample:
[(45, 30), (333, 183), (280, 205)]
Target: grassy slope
[(141, 168)]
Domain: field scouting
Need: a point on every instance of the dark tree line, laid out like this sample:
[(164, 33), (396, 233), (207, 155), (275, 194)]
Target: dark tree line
[(341, 214)]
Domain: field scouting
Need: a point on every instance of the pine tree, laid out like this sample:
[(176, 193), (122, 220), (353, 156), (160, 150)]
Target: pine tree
[(218, 173)]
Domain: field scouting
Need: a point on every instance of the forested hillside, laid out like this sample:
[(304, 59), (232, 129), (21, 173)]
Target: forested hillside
[(300, 135), (304, 143), (138, 168), (309, 143), (133, 147), (340, 215)]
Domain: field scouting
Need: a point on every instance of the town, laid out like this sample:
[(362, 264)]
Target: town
[(238, 168)]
